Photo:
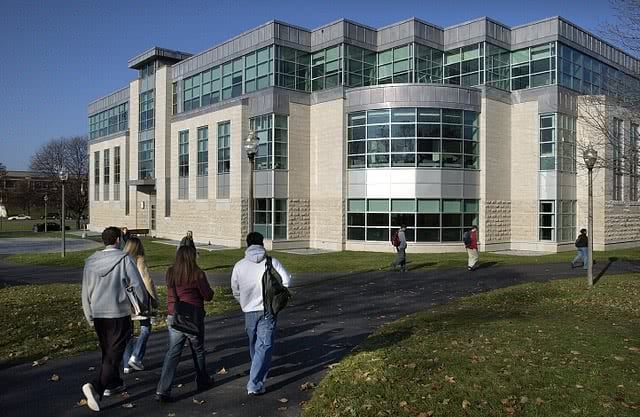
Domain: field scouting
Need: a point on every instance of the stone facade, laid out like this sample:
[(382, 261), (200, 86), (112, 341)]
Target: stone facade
[(497, 222)]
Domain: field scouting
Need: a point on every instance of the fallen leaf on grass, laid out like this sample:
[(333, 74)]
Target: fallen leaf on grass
[(55, 378), (465, 404), (427, 414), (403, 404), (81, 403), (222, 372), (198, 401), (40, 361), (307, 386), (510, 411), (128, 405), (283, 400), (450, 379), (579, 386), (539, 401), (446, 401), (619, 358), (575, 352), (634, 349)]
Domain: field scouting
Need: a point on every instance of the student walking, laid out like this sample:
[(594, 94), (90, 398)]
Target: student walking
[(107, 308), (582, 248), (186, 283), (134, 353), (470, 239), (399, 240), (246, 285)]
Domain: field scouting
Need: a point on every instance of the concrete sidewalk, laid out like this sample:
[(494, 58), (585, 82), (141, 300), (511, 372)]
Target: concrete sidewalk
[(330, 315)]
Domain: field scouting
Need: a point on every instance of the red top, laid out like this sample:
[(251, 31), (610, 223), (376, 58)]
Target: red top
[(195, 293), (474, 239)]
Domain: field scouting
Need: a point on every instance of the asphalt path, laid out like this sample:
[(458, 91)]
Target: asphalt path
[(330, 315)]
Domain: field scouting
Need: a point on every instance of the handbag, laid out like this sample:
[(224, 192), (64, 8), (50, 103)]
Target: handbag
[(187, 318), (275, 295)]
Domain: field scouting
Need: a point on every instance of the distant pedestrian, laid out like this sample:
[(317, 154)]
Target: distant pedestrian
[(582, 248), (246, 285), (187, 240), (125, 235), (399, 241), (186, 283), (470, 239), (135, 351), (106, 306)]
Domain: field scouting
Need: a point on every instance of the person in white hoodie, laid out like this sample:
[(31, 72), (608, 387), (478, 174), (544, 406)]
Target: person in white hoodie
[(246, 284), (106, 306)]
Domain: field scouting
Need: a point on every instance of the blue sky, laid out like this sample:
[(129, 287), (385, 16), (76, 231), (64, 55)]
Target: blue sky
[(58, 55)]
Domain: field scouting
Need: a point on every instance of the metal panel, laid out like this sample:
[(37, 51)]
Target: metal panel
[(428, 191), (452, 191), (548, 185)]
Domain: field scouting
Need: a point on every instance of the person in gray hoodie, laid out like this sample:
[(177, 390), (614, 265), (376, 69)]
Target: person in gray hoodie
[(246, 285), (106, 276)]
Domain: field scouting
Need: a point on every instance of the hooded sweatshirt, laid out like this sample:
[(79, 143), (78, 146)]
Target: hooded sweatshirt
[(104, 282), (246, 278)]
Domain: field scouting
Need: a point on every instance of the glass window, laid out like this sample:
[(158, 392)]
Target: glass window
[(224, 147)]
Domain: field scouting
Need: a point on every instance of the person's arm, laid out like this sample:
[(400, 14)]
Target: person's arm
[(286, 277), (235, 285), (205, 289), (87, 290)]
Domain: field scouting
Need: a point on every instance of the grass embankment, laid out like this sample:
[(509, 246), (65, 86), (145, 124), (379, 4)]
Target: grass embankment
[(543, 349), (47, 320), (160, 256)]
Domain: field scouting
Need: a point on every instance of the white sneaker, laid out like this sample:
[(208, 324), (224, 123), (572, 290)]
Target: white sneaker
[(112, 391), (92, 397), (127, 370), (135, 364)]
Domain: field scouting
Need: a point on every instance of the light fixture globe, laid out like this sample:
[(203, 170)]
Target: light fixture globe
[(63, 175), (251, 144), (590, 156)]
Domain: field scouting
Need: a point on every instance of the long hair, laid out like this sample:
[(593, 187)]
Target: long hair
[(185, 269), (134, 247)]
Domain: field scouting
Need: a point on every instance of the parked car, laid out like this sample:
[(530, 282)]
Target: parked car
[(20, 217), (51, 227)]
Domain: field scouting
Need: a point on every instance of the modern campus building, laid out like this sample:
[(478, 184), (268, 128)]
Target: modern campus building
[(363, 129)]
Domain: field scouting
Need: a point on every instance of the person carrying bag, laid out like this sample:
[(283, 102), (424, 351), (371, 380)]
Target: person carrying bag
[(188, 290)]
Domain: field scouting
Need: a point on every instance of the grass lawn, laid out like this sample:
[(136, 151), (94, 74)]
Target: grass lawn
[(160, 256), (543, 349), (47, 320)]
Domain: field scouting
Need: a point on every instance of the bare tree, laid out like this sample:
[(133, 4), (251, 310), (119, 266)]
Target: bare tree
[(71, 154)]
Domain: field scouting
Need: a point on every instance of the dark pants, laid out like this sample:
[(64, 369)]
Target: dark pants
[(113, 335), (401, 259)]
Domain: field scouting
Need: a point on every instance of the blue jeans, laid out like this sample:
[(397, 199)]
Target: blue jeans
[(172, 358), (582, 253), (261, 330), (139, 347)]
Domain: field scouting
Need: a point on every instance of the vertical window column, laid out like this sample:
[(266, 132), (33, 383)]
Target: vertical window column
[(106, 175), (183, 165), (224, 159), (547, 220), (616, 157), (203, 163), (633, 162), (116, 173), (547, 142), (96, 175)]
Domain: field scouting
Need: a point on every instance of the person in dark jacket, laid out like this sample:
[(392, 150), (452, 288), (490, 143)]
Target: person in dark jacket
[(582, 248), (190, 283)]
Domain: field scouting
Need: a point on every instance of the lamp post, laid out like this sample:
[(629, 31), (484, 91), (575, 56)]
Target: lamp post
[(590, 156), (64, 176), (83, 223), (45, 198), (251, 148)]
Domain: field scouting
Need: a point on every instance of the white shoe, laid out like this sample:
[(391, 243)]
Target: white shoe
[(92, 397), (112, 391), (135, 364), (127, 370)]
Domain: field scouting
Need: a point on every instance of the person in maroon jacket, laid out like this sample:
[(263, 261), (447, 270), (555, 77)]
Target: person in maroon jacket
[(192, 287), (470, 239)]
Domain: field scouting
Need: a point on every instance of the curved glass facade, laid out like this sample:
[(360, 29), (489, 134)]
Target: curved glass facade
[(413, 137)]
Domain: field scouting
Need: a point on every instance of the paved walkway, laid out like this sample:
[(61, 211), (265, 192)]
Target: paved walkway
[(330, 315), (44, 244)]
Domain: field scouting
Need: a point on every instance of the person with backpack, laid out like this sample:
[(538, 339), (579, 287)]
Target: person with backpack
[(260, 323), (470, 240), (582, 248), (187, 289), (399, 241)]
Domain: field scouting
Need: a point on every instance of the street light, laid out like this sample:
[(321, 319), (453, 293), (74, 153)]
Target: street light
[(64, 176), (251, 147), (45, 198), (590, 156)]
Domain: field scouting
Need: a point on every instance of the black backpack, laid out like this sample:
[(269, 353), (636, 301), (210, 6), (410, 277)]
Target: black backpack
[(275, 296), (466, 238)]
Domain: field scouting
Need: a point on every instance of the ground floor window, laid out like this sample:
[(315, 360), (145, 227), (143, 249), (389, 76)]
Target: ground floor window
[(270, 218), (557, 220), (427, 220)]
